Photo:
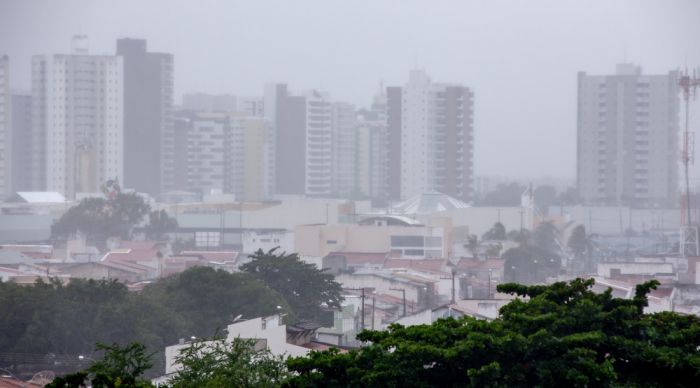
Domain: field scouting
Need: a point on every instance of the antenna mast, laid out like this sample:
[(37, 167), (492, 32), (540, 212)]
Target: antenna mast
[(689, 244)]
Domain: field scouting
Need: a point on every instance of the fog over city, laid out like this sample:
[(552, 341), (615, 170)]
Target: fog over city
[(520, 59), (361, 193)]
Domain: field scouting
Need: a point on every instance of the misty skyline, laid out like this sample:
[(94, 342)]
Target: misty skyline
[(521, 59)]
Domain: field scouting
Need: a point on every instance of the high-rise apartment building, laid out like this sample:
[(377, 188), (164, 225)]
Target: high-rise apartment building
[(225, 152), (21, 141), (627, 143), (148, 121), (77, 120), (319, 145), (5, 129), (344, 136), (303, 141), (431, 138), (372, 151), (254, 151), (287, 114)]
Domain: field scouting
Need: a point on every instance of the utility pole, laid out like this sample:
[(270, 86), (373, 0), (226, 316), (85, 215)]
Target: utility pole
[(689, 242), (403, 292), (373, 301), (363, 308)]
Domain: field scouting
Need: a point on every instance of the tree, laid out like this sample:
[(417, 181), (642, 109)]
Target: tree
[(473, 245), (504, 195), (218, 363), (208, 300), (305, 287), (521, 236), (159, 223), (544, 197), (68, 319), (545, 237), (497, 232), (119, 367), (582, 246), (98, 218), (530, 264), (562, 335)]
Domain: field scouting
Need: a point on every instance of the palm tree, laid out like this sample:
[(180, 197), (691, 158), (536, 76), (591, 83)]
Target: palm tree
[(473, 245), (582, 246)]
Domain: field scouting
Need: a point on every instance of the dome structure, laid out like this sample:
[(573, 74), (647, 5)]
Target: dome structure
[(428, 203)]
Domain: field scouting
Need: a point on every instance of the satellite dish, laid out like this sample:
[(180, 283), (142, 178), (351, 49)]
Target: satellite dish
[(43, 377)]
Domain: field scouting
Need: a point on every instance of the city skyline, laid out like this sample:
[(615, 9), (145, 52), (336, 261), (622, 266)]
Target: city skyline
[(480, 45)]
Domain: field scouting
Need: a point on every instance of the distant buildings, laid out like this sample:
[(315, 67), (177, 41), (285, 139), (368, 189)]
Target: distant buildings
[(304, 141), (431, 137), (77, 120), (148, 132), (21, 141), (5, 129), (228, 153), (344, 149), (627, 145)]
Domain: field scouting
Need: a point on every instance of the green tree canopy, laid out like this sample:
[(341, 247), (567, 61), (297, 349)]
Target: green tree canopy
[(208, 300), (159, 223), (218, 363), (530, 264), (68, 319), (497, 232), (562, 335), (120, 366), (305, 287), (99, 218)]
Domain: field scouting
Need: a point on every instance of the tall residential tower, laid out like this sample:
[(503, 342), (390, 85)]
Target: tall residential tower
[(148, 122), (431, 138), (77, 120), (5, 129), (627, 145)]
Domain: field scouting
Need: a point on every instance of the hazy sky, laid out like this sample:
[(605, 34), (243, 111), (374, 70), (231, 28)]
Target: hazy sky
[(520, 57)]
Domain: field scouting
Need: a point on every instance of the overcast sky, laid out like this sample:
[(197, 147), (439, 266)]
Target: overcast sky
[(520, 57)]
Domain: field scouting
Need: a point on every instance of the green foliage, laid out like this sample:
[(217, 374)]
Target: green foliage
[(159, 223), (98, 218), (563, 335), (305, 287), (530, 264), (217, 363), (497, 232), (473, 245), (68, 319), (208, 300), (119, 367), (503, 195), (545, 236), (582, 246)]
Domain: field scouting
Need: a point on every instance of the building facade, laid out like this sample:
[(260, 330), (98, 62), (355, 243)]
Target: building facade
[(344, 150), (5, 129), (627, 140), (77, 120), (21, 141), (148, 121), (431, 138), (372, 152)]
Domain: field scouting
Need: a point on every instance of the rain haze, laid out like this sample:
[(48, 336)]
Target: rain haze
[(311, 193), (521, 58)]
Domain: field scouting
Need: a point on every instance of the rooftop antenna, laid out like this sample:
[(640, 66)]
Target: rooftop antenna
[(689, 244)]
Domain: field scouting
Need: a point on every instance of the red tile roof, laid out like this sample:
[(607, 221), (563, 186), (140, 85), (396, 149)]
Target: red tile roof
[(213, 255), (431, 265), (467, 264), (361, 258)]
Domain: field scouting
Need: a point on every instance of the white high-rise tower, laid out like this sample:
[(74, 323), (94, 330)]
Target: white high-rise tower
[(78, 113)]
